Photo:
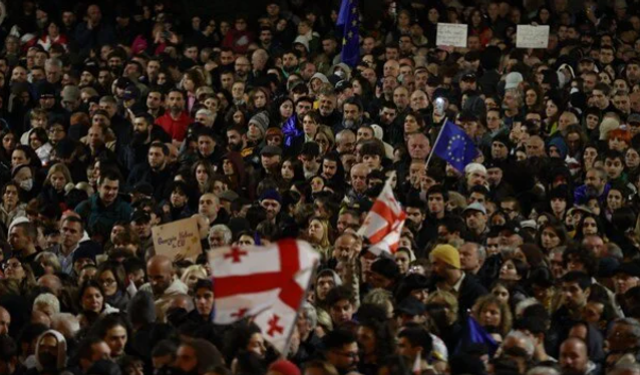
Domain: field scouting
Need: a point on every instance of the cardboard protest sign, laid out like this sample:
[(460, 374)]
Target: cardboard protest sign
[(178, 238), (451, 34), (529, 36)]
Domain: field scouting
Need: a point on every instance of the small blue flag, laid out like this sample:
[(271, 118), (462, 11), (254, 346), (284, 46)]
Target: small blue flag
[(476, 334), (349, 19), (454, 146)]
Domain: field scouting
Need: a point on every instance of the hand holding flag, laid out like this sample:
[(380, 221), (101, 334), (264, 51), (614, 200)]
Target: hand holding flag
[(455, 146)]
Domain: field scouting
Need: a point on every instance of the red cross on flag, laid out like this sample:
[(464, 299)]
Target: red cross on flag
[(384, 222), (266, 283)]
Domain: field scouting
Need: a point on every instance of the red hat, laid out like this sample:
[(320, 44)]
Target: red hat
[(284, 367)]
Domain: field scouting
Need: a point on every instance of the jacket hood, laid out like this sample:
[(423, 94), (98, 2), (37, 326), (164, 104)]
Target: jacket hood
[(62, 350)]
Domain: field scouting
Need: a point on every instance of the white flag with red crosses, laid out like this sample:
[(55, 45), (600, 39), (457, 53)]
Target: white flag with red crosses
[(384, 222), (265, 283)]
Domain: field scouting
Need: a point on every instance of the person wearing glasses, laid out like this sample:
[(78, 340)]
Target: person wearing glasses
[(111, 275), (341, 350)]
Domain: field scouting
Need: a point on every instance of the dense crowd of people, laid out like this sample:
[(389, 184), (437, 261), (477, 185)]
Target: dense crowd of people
[(119, 116)]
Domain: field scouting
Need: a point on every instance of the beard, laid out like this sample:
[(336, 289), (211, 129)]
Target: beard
[(237, 147), (139, 138)]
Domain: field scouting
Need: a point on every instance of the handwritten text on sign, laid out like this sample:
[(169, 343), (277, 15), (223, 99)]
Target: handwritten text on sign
[(529, 36), (451, 34), (177, 238)]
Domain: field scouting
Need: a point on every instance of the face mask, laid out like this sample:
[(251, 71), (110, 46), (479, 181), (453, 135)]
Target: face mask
[(48, 360), (27, 184)]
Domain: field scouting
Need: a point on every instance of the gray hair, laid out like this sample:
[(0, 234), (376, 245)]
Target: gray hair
[(65, 323), (624, 368), (53, 62), (634, 324), (522, 305), (205, 112), (47, 299), (529, 346), (543, 370), (226, 232), (482, 252), (309, 312)]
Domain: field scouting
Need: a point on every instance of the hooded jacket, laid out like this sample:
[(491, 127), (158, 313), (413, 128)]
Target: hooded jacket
[(62, 350)]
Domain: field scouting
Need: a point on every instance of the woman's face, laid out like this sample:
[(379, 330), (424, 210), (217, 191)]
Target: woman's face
[(201, 175), (316, 231), (402, 260), (549, 239), (13, 270), (501, 293), (589, 226), (188, 84), (589, 157), (58, 181), (287, 170), (286, 109), (558, 205), (256, 345), (632, 158), (9, 142), (531, 97), (551, 109), (508, 272), (53, 30), (544, 15), (18, 157), (322, 141), (227, 167), (476, 18), (357, 87), (592, 121), (109, 283), (309, 126), (238, 117), (434, 15), (178, 198), (410, 125), (193, 278), (259, 99), (490, 316), (92, 300), (614, 199), (605, 78)]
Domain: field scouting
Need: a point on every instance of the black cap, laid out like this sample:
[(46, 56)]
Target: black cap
[(143, 188), (631, 269), (411, 306), (270, 150), (343, 85), (140, 216), (469, 77), (467, 116)]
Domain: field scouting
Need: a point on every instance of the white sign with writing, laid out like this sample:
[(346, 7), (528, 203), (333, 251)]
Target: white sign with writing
[(529, 36), (178, 240), (451, 34)]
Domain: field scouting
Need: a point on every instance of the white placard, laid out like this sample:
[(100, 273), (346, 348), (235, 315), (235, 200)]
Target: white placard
[(529, 36), (451, 34)]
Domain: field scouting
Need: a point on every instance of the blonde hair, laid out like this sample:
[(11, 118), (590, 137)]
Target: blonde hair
[(58, 168), (49, 259), (194, 269), (505, 313), (449, 299)]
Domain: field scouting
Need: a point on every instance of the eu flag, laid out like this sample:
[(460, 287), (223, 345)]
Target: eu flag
[(476, 334), (455, 146), (349, 19)]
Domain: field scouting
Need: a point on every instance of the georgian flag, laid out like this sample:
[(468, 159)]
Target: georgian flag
[(266, 283), (384, 222)]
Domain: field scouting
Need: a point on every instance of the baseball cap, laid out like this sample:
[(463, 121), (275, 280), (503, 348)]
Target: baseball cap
[(475, 206), (131, 93), (411, 306)]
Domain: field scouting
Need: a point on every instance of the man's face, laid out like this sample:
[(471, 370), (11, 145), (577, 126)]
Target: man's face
[(359, 178), (5, 321), (613, 167), (351, 112), (108, 190), (100, 351), (401, 98), (206, 145), (345, 221), (494, 176), (272, 207), (329, 168), (186, 359), (160, 278), (326, 105), (175, 102), (204, 301), (156, 158), (593, 180), (341, 312), (415, 214), (469, 260), (573, 358), (499, 150), (234, 140), (208, 205), (269, 161), (71, 233), (226, 57), (475, 220), (435, 203), (289, 61), (116, 338), (574, 296), (346, 358), (388, 115), (419, 147), (154, 100)]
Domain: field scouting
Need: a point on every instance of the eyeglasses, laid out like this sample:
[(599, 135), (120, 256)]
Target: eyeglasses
[(352, 355), (14, 265)]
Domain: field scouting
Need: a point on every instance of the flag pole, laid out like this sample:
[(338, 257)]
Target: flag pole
[(435, 143)]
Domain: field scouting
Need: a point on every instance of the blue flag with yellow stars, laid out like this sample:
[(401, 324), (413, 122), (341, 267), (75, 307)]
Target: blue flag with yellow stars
[(349, 19), (455, 146)]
